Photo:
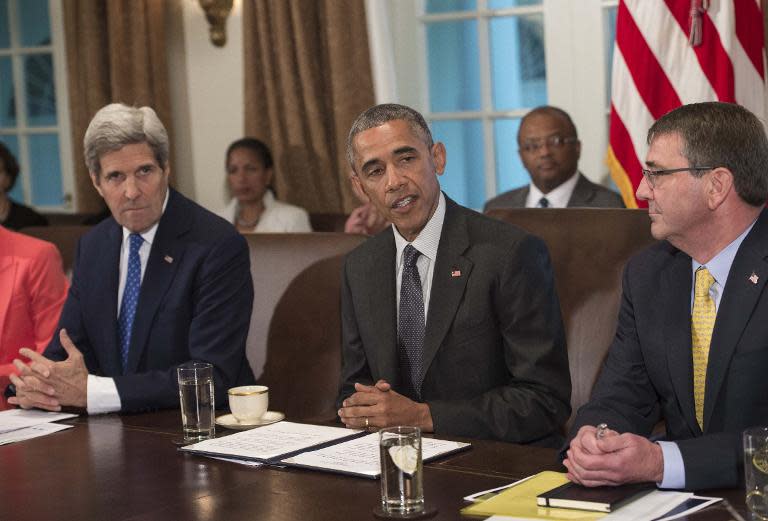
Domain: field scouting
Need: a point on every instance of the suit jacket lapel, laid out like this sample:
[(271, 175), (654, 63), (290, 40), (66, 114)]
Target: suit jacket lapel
[(449, 280), (105, 272), (582, 193), (164, 258), (521, 196), (676, 333), (379, 284), (742, 292)]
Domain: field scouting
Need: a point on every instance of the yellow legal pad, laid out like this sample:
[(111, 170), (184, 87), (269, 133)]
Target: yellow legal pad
[(520, 501)]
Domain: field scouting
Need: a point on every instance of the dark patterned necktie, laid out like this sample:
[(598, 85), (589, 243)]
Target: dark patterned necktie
[(410, 334), (543, 202), (130, 298)]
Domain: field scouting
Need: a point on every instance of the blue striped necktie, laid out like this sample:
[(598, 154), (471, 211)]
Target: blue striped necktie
[(130, 298)]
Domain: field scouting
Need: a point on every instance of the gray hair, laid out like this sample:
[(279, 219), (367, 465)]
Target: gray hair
[(118, 125), (380, 114), (722, 134)]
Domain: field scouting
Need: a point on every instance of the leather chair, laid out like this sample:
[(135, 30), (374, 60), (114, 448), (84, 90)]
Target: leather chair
[(328, 222), (65, 238), (589, 248), (296, 319)]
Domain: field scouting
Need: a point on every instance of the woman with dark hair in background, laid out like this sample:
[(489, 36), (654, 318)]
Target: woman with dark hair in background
[(253, 207), (12, 214)]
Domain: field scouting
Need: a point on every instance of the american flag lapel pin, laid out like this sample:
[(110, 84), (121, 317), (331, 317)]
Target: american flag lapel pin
[(168, 259), (754, 278), (455, 272)]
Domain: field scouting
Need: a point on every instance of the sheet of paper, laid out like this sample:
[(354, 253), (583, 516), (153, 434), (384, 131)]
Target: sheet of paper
[(488, 494), (246, 462), (13, 419), (270, 441), (361, 455), (689, 506), (650, 506), (509, 518), (519, 502), (27, 433)]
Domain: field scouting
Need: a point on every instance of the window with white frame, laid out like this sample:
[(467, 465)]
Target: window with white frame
[(475, 67), (34, 120)]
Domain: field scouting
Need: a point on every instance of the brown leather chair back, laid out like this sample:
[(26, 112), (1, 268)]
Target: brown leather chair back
[(65, 238), (296, 320), (589, 248), (328, 222)]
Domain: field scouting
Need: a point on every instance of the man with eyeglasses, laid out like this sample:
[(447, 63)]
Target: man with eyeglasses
[(691, 347), (549, 149)]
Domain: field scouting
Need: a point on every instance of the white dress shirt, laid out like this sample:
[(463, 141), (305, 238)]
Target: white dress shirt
[(558, 198), (102, 395), (426, 242)]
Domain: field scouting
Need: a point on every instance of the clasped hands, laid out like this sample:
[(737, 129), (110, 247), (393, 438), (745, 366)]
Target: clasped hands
[(45, 384), (613, 459), (378, 406)]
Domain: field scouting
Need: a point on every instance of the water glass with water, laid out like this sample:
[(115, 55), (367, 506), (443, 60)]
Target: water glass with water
[(197, 401), (401, 470), (756, 471)]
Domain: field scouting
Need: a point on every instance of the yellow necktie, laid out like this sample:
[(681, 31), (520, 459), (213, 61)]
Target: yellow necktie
[(702, 323)]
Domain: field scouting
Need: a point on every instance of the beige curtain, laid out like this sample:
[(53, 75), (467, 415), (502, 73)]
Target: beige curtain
[(115, 52), (307, 76)]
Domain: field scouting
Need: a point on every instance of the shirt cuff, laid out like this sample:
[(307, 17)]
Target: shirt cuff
[(674, 468), (102, 395)]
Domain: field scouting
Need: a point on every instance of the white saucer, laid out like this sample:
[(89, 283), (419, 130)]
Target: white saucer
[(229, 421)]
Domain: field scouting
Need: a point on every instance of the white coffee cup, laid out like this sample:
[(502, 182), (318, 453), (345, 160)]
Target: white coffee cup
[(248, 403)]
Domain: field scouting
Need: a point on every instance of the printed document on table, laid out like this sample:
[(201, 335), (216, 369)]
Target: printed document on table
[(19, 418), (271, 441), (360, 456), (27, 433)]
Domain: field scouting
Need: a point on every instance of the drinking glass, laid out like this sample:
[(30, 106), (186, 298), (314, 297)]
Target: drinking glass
[(197, 401), (401, 471), (756, 471)]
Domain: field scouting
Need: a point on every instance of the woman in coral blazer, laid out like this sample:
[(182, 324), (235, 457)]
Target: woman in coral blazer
[(32, 292)]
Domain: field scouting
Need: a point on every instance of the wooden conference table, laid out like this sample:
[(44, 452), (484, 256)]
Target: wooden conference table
[(126, 467)]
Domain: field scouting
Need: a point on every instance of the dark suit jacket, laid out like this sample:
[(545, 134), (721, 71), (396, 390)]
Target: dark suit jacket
[(585, 194), (648, 374), (495, 359), (195, 304)]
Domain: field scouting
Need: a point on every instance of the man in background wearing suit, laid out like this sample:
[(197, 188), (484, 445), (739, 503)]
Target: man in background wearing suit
[(550, 151), (691, 346), (161, 282), (450, 320)]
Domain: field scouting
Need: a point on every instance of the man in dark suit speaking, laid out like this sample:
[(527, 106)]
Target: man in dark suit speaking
[(691, 346), (160, 283), (550, 149), (450, 319)]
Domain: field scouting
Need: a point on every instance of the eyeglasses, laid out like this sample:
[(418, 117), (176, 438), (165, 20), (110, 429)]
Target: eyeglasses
[(651, 175), (551, 142)]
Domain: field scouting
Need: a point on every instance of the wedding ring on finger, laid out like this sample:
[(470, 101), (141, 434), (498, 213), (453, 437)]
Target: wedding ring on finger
[(366, 423)]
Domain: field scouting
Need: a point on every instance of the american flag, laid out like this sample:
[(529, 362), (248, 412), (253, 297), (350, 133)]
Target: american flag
[(673, 52)]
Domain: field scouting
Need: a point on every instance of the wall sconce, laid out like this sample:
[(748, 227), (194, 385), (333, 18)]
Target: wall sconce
[(216, 12)]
